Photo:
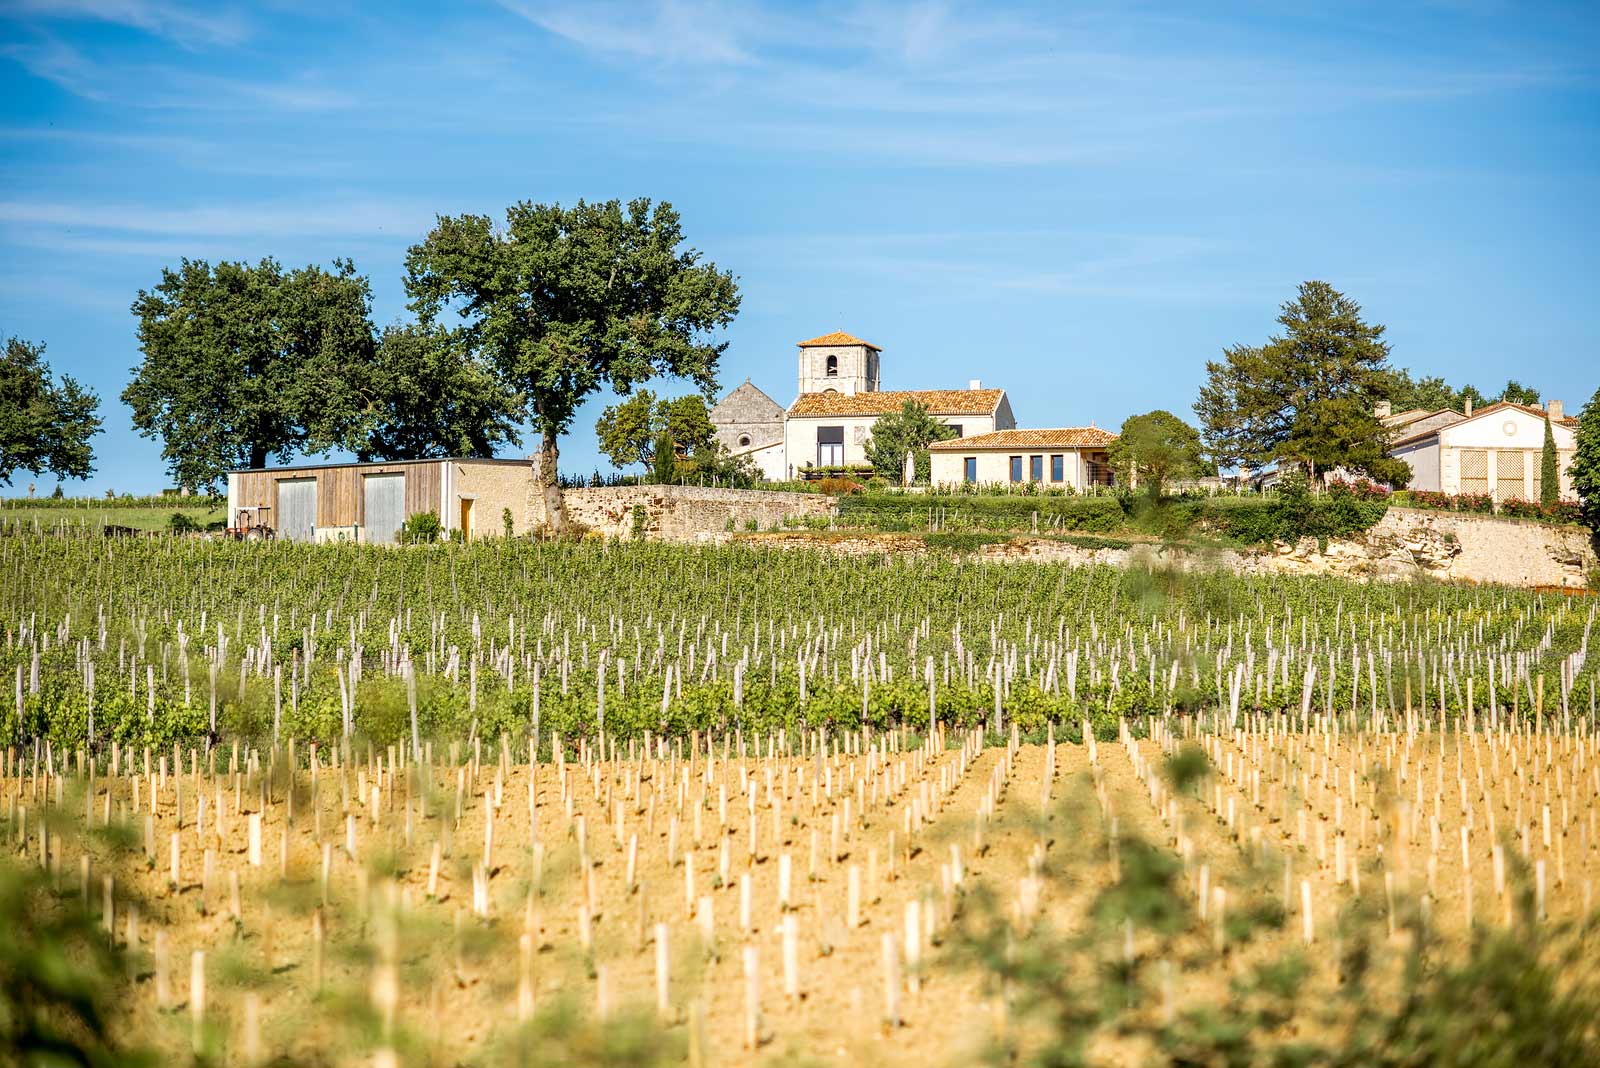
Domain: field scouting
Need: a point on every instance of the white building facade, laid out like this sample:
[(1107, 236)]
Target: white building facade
[(1497, 450), (1061, 458)]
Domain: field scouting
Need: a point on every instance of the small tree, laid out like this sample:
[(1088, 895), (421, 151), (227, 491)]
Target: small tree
[(1585, 469), (45, 426), (1549, 470), (912, 430), (1156, 448), (627, 432)]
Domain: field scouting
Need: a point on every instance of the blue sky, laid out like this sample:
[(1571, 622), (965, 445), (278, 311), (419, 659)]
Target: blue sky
[(1078, 203)]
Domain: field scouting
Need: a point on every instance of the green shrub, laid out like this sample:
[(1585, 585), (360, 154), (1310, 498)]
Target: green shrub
[(421, 529)]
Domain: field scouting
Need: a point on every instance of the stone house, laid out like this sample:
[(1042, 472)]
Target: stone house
[(1061, 458)]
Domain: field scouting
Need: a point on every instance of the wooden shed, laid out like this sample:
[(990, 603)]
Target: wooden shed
[(368, 502)]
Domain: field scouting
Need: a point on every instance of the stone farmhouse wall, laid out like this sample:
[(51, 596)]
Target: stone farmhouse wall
[(681, 513)]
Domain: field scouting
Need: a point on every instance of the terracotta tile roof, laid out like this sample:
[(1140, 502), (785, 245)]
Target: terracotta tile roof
[(1066, 437), (884, 402), (838, 337)]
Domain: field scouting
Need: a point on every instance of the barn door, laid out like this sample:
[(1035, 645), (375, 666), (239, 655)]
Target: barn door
[(297, 509), (385, 507)]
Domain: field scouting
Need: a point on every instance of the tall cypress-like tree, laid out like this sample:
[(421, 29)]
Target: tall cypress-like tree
[(1549, 470), (1307, 396)]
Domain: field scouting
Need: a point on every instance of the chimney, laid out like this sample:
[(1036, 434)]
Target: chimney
[(1556, 411), (1383, 409), (1469, 406), (974, 384)]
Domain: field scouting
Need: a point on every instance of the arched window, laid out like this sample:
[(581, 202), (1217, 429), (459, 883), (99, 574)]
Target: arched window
[(744, 440), (833, 367)]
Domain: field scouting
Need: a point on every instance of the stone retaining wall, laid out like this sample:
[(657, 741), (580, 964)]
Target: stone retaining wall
[(682, 513), (1406, 544)]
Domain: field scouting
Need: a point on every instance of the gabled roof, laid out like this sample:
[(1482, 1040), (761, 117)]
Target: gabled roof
[(748, 388), (885, 402), (1410, 415), (838, 337), (1531, 409), (1066, 437), (1489, 409)]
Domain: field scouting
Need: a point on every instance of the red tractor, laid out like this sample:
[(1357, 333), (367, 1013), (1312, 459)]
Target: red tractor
[(250, 524)]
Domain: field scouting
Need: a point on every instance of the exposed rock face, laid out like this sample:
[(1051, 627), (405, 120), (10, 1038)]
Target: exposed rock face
[(1406, 544)]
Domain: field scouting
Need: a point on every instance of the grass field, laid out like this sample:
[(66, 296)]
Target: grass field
[(92, 516)]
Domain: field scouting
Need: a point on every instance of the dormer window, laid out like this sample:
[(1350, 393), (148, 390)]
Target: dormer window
[(833, 367)]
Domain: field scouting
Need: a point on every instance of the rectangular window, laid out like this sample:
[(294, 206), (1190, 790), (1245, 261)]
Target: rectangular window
[(830, 446), (956, 427), (970, 468), (1016, 469), (1058, 468), (1036, 468)]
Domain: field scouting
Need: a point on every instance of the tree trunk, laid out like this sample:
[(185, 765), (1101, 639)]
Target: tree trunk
[(555, 512), (258, 455)]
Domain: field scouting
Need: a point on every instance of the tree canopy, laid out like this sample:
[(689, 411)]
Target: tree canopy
[(430, 398), (1307, 396), (245, 364), (45, 425), (1156, 448), (912, 429), (564, 301), (1585, 469), (627, 432), (1433, 393)]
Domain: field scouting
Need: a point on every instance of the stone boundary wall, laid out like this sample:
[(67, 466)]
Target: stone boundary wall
[(682, 513)]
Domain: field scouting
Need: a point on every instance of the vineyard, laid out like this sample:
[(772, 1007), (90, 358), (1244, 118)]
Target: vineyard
[(634, 803)]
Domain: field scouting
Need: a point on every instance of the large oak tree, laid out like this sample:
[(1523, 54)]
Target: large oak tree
[(244, 363), (45, 425), (565, 301), (1307, 396)]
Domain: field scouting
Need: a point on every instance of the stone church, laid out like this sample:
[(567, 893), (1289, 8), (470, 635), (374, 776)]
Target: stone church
[(838, 400)]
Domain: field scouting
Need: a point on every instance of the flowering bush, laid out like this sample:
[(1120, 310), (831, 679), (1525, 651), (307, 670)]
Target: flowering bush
[(1459, 502), (1556, 512), (839, 487), (1362, 489)]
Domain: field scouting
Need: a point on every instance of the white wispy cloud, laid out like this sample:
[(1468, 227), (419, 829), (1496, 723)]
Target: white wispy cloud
[(130, 227), (674, 30), (188, 24), (160, 86)]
